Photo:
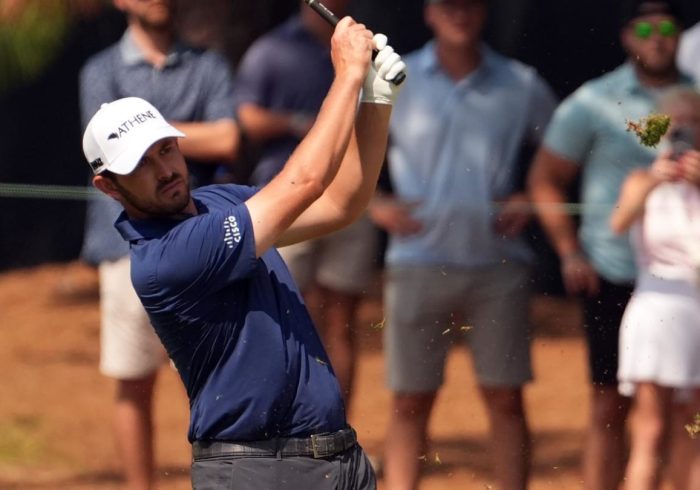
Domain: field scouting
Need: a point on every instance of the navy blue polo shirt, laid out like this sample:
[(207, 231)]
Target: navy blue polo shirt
[(234, 325)]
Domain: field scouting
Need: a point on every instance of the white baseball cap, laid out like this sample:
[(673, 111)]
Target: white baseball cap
[(119, 134)]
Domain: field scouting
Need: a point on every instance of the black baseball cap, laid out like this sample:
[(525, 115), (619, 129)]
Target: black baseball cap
[(632, 9)]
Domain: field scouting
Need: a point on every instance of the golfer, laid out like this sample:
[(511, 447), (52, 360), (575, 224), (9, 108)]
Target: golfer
[(266, 408)]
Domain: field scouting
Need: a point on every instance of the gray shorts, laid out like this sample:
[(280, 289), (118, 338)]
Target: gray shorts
[(349, 470), (343, 261), (430, 308)]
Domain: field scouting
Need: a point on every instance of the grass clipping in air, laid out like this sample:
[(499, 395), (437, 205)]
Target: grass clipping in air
[(650, 129), (694, 428)]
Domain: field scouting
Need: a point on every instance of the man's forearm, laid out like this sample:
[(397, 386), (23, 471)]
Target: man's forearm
[(356, 181), (352, 183), (261, 124), (630, 205), (557, 223), (215, 142), (318, 156)]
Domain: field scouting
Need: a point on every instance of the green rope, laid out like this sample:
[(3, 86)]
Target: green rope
[(33, 191), (79, 193)]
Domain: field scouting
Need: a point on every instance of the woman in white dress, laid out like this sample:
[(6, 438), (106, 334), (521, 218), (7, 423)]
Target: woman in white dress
[(660, 333)]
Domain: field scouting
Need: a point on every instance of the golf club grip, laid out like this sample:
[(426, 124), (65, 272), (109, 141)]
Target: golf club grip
[(333, 20)]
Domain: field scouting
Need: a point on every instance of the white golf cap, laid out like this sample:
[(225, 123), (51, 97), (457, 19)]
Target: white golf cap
[(119, 134)]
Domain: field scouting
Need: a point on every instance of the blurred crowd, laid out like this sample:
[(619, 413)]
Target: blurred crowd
[(481, 150)]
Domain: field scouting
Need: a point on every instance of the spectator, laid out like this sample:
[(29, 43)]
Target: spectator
[(587, 136), (456, 254), (277, 103), (660, 333), (193, 90), (689, 51)]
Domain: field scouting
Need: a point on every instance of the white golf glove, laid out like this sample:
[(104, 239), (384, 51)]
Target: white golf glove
[(377, 88)]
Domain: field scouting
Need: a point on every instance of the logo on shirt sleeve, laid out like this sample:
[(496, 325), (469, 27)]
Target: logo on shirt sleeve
[(232, 231)]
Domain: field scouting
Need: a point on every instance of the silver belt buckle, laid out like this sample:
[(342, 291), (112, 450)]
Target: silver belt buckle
[(315, 445)]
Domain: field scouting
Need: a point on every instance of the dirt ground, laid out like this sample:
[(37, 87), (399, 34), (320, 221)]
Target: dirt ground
[(55, 412)]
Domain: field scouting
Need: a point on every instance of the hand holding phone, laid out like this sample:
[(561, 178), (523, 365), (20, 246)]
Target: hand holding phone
[(682, 140)]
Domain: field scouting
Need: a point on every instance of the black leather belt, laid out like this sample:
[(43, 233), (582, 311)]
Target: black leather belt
[(316, 446)]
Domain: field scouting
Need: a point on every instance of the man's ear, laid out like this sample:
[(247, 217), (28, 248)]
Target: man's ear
[(106, 185), (119, 5)]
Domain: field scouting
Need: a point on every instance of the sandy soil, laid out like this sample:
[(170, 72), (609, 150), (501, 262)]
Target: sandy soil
[(56, 409)]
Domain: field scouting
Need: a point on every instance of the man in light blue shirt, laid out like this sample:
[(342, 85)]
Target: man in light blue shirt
[(589, 129), (588, 136), (456, 255)]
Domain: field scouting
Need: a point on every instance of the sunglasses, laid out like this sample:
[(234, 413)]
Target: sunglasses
[(666, 28)]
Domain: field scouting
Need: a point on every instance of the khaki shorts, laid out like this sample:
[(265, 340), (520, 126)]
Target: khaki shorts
[(344, 261), (429, 309), (129, 347)]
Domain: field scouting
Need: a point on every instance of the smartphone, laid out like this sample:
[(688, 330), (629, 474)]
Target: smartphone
[(682, 139)]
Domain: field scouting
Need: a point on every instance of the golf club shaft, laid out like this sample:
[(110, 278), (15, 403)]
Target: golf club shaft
[(323, 11), (333, 19)]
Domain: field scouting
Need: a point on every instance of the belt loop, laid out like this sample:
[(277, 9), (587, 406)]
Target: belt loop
[(315, 449)]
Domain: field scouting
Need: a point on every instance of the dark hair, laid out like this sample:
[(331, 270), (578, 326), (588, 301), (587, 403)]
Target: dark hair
[(631, 9)]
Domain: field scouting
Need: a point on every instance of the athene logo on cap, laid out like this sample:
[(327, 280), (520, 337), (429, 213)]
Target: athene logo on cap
[(120, 133), (129, 124)]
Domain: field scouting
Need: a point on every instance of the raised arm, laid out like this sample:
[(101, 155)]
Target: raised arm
[(637, 186), (548, 182), (630, 205), (315, 162), (348, 195)]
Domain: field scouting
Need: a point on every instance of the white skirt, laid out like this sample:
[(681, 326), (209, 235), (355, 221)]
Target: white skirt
[(660, 335)]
